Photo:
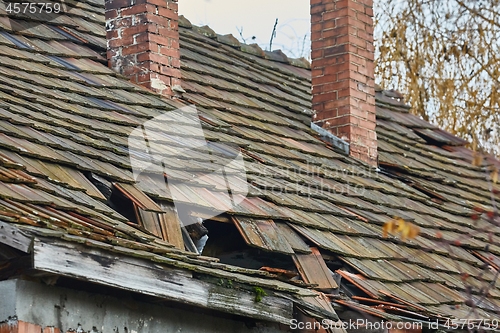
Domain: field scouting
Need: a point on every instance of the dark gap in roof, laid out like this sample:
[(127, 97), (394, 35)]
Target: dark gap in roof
[(349, 289), (14, 40), (397, 172), (8, 253), (439, 137), (226, 243), (63, 62), (333, 265), (104, 186), (122, 205), (429, 140), (222, 238), (15, 265), (252, 258), (394, 171)]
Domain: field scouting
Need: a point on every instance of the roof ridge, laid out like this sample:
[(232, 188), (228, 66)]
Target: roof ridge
[(253, 49)]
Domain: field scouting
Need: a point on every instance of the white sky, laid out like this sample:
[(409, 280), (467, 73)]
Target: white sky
[(257, 18)]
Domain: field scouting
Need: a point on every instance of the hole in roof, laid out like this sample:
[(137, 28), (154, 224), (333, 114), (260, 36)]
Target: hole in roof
[(63, 62), (14, 40), (123, 205), (226, 243)]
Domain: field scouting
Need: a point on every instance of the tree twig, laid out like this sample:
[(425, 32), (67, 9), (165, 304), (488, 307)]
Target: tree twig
[(273, 35), (240, 31)]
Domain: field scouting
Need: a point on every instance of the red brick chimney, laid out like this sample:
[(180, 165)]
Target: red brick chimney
[(343, 84), (143, 42)]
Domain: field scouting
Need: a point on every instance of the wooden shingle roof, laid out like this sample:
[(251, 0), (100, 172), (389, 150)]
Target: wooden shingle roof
[(64, 124)]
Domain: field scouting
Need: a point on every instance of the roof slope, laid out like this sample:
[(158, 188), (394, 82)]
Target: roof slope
[(65, 120), (339, 205)]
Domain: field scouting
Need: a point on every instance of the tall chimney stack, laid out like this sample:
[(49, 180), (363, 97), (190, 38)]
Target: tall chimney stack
[(143, 42), (343, 83)]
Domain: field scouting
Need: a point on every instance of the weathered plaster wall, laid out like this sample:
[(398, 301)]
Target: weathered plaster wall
[(85, 312)]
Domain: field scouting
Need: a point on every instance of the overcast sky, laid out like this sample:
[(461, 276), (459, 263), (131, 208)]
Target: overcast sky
[(256, 18)]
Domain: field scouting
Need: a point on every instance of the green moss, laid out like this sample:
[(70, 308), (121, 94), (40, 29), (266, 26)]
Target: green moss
[(259, 294), (225, 283)]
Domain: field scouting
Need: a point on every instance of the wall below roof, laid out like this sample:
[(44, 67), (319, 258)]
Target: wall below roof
[(70, 310)]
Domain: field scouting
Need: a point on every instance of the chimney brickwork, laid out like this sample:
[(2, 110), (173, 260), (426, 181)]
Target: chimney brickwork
[(343, 85), (143, 42)]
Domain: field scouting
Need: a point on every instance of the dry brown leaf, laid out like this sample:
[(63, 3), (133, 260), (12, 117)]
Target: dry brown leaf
[(397, 225)]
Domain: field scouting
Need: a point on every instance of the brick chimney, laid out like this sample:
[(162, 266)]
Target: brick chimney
[(343, 73), (143, 42)]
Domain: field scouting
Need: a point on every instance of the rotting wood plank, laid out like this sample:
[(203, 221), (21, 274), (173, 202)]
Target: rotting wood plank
[(138, 197), (146, 277), (297, 243), (149, 220), (313, 269), (263, 234), (171, 226), (165, 225), (12, 236)]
